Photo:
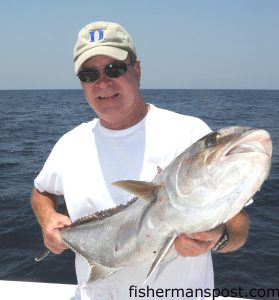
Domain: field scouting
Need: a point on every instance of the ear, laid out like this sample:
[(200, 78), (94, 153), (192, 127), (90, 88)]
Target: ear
[(137, 70)]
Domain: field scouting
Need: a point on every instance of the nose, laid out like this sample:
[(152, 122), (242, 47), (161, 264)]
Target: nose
[(103, 80)]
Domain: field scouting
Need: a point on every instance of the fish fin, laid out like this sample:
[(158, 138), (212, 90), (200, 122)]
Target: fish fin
[(143, 189), (97, 272), (159, 170), (43, 253), (161, 255), (100, 215)]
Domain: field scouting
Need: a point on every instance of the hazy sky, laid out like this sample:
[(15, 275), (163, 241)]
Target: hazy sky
[(181, 43)]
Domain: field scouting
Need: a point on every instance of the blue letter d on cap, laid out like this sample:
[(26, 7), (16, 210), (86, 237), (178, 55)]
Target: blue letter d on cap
[(96, 35)]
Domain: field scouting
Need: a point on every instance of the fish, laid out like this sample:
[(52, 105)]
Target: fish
[(203, 187)]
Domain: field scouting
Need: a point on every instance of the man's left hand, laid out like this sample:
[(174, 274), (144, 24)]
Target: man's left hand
[(199, 242)]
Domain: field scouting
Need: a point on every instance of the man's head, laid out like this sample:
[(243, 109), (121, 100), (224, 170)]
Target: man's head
[(109, 72), (103, 38)]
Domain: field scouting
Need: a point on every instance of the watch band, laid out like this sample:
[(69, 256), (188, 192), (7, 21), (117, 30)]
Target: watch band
[(223, 241)]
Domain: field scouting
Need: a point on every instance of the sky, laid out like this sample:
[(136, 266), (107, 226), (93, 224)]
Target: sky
[(182, 44)]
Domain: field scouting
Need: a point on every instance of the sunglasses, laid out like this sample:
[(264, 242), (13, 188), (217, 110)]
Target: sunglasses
[(113, 70)]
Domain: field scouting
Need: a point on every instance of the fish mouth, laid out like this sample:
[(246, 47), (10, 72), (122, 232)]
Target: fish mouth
[(109, 97), (252, 141)]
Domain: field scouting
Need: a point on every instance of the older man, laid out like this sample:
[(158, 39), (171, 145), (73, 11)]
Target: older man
[(128, 140)]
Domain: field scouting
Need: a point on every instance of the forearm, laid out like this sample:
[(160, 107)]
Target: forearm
[(237, 229), (44, 205)]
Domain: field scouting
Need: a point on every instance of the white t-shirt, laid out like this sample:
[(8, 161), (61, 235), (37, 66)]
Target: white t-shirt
[(82, 166)]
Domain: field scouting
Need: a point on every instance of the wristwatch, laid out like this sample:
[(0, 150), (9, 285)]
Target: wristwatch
[(223, 241)]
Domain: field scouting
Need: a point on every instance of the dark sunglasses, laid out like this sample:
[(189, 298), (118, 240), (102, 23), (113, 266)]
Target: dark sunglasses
[(113, 70)]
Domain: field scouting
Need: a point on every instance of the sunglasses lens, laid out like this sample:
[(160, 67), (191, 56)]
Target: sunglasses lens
[(88, 75), (116, 70), (112, 70)]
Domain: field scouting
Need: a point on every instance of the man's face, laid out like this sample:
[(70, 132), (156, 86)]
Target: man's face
[(113, 99)]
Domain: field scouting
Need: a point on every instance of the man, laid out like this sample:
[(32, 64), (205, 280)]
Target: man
[(128, 140)]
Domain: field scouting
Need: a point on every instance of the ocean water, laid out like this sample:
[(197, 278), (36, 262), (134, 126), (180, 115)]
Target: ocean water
[(31, 121)]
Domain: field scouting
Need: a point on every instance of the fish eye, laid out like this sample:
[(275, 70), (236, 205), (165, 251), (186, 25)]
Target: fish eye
[(211, 139)]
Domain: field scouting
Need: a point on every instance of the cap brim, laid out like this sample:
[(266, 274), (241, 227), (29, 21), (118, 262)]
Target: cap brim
[(116, 53)]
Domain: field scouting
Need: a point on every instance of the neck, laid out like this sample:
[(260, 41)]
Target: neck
[(124, 122)]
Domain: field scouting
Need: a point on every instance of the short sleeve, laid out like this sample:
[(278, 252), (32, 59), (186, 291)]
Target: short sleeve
[(49, 179)]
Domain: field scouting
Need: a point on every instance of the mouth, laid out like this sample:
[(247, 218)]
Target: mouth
[(109, 97), (256, 141)]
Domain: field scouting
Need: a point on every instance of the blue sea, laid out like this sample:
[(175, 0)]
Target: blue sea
[(31, 121)]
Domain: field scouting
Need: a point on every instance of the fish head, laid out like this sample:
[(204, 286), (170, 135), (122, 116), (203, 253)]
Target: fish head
[(227, 165)]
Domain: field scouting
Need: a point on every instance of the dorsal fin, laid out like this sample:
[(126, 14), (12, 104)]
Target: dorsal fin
[(159, 170), (143, 189), (100, 215)]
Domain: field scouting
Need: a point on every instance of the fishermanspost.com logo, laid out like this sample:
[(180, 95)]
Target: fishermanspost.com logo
[(178, 293)]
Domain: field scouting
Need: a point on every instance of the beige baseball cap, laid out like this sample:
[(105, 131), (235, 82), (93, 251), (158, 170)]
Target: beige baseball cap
[(102, 38)]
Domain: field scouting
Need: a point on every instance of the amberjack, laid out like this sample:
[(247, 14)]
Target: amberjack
[(205, 186)]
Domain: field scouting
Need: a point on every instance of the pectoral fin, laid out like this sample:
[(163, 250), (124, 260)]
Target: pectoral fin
[(161, 255), (142, 189)]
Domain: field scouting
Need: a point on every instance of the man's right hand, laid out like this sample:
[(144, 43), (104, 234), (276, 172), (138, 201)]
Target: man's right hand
[(44, 206), (51, 232)]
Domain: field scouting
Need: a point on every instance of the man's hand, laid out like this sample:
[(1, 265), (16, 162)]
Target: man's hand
[(51, 232), (44, 206), (199, 243)]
